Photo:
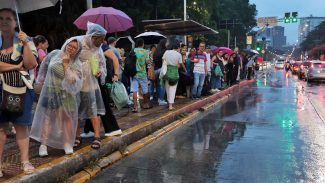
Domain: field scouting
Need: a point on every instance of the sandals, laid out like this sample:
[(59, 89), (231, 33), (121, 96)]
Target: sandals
[(134, 109), (77, 142), (27, 167), (96, 144)]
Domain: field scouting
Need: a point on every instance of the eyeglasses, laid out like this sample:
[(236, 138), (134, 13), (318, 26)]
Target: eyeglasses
[(72, 47)]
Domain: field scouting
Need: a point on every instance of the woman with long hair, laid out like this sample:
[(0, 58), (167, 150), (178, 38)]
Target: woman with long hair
[(157, 60)]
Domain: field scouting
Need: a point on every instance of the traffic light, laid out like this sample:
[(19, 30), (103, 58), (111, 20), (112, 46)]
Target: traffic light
[(258, 47), (287, 18), (294, 17)]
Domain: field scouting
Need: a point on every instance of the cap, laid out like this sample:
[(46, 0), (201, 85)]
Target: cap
[(111, 40)]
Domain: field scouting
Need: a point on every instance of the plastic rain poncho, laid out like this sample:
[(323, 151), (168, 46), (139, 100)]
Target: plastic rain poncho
[(93, 61), (56, 116)]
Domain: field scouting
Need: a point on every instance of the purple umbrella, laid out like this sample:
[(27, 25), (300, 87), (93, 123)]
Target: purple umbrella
[(111, 19)]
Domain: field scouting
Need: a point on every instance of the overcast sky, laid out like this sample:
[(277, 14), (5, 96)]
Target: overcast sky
[(304, 8)]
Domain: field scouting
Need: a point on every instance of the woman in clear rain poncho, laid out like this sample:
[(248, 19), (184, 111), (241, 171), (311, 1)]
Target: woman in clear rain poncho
[(56, 117), (93, 67)]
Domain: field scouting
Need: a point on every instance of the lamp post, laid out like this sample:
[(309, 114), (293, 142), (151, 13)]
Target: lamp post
[(89, 4), (185, 41)]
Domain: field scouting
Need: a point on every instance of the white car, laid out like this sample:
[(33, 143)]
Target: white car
[(279, 64), (316, 71)]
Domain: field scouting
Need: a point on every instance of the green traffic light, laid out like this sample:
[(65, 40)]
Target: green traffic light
[(258, 49), (294, 20), (286, 20)]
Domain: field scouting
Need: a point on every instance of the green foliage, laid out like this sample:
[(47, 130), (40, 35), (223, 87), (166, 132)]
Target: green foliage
[(314, 38), (57, 28)]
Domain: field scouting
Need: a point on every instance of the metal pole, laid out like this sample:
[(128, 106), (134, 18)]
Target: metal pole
[(185, 41), (18, 21), (89, 4), (228, 37), (235, 41)]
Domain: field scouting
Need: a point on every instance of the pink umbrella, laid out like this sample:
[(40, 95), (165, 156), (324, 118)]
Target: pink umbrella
[(111, 19), (226, 50)]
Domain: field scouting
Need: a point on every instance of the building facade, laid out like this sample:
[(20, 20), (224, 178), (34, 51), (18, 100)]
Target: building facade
[(306, 25), (272, 37)]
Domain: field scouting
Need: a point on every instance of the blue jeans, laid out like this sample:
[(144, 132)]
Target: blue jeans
[(198, 84), (160, 90), (215, 81)]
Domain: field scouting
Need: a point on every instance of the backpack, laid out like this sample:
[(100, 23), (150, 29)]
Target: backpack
[(130, 62)]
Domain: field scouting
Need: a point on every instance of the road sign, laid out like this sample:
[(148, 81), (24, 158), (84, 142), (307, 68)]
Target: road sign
[(267, 21), (249, 40)]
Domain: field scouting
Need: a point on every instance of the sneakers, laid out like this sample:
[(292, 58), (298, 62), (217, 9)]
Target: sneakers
[(162, 102), (214, 90), (42, 150), (113, 133), (68, 149), (87, 135)]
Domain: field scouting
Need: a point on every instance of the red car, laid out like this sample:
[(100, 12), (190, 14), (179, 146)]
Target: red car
[(295, 67), (303, 69)]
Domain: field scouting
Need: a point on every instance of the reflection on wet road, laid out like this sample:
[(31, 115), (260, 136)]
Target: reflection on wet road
[(272, 131)]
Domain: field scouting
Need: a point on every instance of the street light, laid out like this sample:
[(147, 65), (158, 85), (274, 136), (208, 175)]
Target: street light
[(185, 41)]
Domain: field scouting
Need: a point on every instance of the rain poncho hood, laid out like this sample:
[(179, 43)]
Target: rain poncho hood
[(95, 30), (56, 115)]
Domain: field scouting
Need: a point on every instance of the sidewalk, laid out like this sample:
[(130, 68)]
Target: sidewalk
[(135, 126)]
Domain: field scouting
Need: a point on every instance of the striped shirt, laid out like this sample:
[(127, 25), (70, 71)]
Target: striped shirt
[(12, 78), (200, 66)]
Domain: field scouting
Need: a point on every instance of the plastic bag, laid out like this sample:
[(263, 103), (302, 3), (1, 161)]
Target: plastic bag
[(94, 64), (217, 71), (119, 95)]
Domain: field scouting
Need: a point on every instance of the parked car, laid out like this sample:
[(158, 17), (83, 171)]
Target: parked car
[(303, 69), (279, 64), (316, 71), (295, 67)]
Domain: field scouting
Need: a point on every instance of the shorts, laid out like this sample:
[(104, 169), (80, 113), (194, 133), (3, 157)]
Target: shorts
[(143, 82), (26, 118), (88, 104)]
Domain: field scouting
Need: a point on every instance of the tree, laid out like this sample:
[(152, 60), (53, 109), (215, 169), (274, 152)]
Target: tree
[(57, 28), (314, 38)]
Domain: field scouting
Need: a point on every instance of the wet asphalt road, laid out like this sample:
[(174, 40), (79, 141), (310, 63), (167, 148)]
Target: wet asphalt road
[(273, 131)]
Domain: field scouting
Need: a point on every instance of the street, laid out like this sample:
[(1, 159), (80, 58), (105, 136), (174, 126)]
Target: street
[(272, 131)]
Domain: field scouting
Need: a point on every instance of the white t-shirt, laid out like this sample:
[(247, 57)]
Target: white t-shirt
[(208, 61), (172, 57)]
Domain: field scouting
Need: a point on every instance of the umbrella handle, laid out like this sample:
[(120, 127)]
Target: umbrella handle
[(18, 22)]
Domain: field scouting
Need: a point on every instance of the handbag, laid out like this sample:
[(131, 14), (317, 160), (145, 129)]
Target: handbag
[(151, 73), (217, 71), (13, 98)]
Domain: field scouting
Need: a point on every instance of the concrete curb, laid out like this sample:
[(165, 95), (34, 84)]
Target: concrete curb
[(130, 141)]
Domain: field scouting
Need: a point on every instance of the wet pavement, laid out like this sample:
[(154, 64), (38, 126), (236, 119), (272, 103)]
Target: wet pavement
[(126, 119), (273, 131)]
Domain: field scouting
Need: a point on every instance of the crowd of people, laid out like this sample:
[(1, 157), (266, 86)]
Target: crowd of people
[(72, 83)]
